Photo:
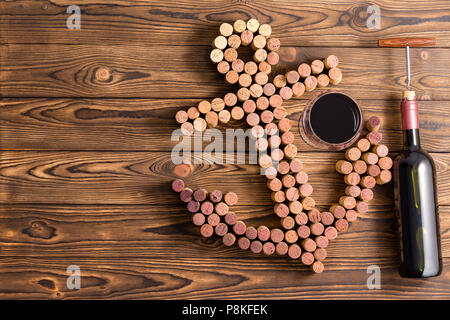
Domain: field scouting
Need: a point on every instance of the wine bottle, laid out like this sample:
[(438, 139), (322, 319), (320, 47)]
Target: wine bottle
[(415, 198)]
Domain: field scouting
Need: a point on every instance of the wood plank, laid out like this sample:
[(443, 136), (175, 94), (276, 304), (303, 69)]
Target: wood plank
[(144, 178), (310, 23), (139, 71), (147, 125), (211, 278), (167, 232)]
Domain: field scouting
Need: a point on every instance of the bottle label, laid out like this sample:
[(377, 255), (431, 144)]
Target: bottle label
[(410, 119)]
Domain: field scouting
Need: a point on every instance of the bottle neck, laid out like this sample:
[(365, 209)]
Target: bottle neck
[(410, 120), (412, 139)]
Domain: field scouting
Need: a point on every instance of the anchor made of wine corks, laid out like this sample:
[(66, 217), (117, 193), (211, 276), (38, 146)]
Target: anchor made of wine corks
[(305, 231)]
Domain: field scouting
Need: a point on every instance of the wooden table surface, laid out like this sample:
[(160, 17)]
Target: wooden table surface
[(85, 165)]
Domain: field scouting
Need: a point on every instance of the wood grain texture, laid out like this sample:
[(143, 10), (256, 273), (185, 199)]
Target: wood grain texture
[(309, 23), (159, 231), (139, 71), (144, 178), (147, 125)]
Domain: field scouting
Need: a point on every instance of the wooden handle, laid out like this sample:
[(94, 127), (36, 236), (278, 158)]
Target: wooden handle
[(403, 42)]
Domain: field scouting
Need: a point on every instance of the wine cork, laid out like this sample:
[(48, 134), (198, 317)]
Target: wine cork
[(283, 167), (230, 99), (206, 230), (310, 83), (221, 208), (260, 55), (347, 202), (243, 94), (303, 231), (256, 90), (317, 228), (216, 55), (370, 157), (361, 207), (331, 62), (373, 170), (326, 218), (181, 116), (351, 215), (243, 243), (320, 254), (224, 116), (317, 66), (245, 80), (223, 67), (368, 182), (298, 89), (226, 29), (239, 26), (232, 77), (295, 207), (207, 208), (341, 225), (291, 236), (240, 228), (237, 65), (229, 239), (352, 179), (193, 113), (253, 25), (265, 30), (261, 78), (186, 195), (294, 251), (292, 194), (177, 185), (273, 44), (230, 218), (249, 106), (230, 54), (301, 218), (366, 195), (338, 211), (308, 203), (363, 144), (259, 42), (323, 80), (353, 154), (269, 89), (252, 119), (212, 119), (286, 93), (374, 137), (215, 196), (284, 125), (213, 219), (221, 229), (385, 176), (359, 166), (200, 124), (292, 76), (374, 123), (187, 128), (198, 219), (274, 141), (296, 165), (270, 173), (317, 267), (321, 241), (251, 233), (381, 150), (335, 75), (274, 184), (275, 100), (278, 196), (281, 248), (288, 180), (290, 150), (330, 233), (305, 190), (263, 233), (353, 191), (234, 41), (304, 70), (250, 68), (193, 206), (265, 67), (257, 132), (288, 223), (256, 246), (276, 235), (344, 167), (307, 258), (217, 104), (277, 155), (246, 37), (279, 81), (301, 177), (266, 116), (385, 163), (237, 113), (268, 248), (308, 244), (231, 198)]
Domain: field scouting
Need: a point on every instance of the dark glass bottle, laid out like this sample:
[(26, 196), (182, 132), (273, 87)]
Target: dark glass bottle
[(415, 197)]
